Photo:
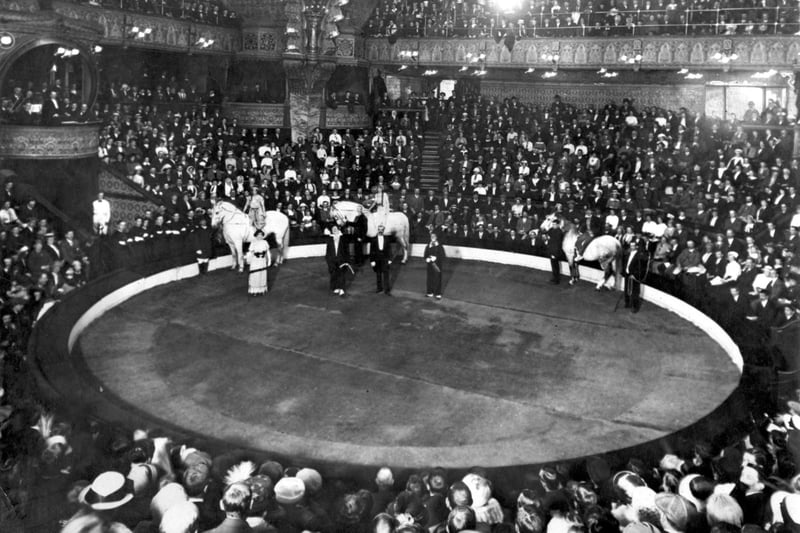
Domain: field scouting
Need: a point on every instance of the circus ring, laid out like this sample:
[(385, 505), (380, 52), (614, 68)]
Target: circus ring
[(506, 370)]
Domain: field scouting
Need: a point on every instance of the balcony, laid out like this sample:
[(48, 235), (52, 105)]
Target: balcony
[(647, 52)]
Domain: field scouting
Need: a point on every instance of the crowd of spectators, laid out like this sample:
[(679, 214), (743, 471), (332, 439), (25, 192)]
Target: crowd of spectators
[(578, 18), (714, 202), (202, 11)]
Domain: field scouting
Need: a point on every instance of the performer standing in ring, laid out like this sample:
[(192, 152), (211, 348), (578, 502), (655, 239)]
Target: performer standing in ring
[(336, 256), (434, 254), (636, 267), (381, 261), (259, 259)]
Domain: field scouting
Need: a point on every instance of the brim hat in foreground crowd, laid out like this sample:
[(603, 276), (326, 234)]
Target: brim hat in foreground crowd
[(109, 490)]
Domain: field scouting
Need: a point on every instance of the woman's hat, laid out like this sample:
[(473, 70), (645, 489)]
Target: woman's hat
[(289, 490), (109, 490)]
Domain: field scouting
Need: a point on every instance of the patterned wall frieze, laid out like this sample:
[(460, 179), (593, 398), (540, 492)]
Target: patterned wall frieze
[(656, 52), (263, 42), (692, 97), (28, 6), (40, 142), (256, 115), (342, 118), (167, 33)]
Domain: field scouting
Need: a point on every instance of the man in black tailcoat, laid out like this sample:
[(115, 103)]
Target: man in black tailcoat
[(381, 261), (434, 255), (635, 272), (336, 257), (555, 240)]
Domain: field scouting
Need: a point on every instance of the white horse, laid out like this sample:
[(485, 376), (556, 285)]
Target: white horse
[(396, 223), (237, 229), (604, 249)]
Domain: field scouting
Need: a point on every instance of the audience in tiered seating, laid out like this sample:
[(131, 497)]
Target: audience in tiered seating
[(577, 18), (205, 12), (714, 202)]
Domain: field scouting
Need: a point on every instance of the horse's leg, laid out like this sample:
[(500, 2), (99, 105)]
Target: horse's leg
[(239, 256), (606, 275), (233, 255)]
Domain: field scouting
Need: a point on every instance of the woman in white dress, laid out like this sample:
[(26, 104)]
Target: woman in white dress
[(258, 257)]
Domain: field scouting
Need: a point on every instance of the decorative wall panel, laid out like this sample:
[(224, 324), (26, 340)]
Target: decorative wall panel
[(263, 42), (342, 118), (671, 97), (41, 142), (256, 115), (657, 52), (28, 6)]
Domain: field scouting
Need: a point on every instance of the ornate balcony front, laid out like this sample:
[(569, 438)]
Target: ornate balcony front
[(164, 33), (67, 141), (654, 52)]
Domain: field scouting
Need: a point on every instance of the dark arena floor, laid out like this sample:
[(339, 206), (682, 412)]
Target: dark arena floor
[(505, 370)]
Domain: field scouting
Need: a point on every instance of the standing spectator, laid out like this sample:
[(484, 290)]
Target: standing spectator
[(101, 214)]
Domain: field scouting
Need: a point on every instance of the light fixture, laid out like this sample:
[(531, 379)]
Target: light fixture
[(202, 42), (141, 33), (6, 40), (631, 60), (764, 75), (66, 52), (336, 14)]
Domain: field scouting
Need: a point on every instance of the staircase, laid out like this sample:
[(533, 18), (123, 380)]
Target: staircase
[(127, 199), (430, 166)]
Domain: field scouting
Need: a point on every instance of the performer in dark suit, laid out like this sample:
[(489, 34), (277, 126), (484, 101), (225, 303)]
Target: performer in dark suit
[(203, 245), (434, 254), (635, 272), (381, 261), (336, 256), (359, 236), (555, 240), (51, 110)]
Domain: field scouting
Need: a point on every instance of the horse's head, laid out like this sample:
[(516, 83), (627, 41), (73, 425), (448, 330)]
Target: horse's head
[(548, 222), (217, 212)]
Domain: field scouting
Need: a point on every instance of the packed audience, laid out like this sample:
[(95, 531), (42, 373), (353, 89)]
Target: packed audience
[(715, 203), (204, 12), (579, 18)]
